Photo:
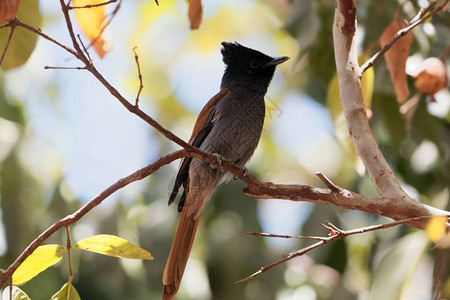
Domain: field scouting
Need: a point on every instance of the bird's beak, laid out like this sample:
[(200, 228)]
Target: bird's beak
[(276, 61)]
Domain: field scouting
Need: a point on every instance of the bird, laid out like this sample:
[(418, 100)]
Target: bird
[(229, 126)]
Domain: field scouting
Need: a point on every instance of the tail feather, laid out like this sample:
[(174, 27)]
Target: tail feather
[(179, 254)]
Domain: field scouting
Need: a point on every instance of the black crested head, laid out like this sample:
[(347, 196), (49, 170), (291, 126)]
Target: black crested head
[(246, 67)]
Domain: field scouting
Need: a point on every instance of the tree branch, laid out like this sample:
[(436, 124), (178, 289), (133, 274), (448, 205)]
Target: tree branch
[(393, 208), (141, 85), (344, 29), (71, 219), (394, 202), (10, 35), (335, 234), (417, 20)]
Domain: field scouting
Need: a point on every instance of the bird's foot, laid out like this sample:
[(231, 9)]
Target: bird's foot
[(243, 175), (219, 160)]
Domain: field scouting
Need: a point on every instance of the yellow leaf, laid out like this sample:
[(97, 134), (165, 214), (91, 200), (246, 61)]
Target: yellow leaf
[(333, 97), (17, 294), (113, 246), (436, 228), (67, 292), (92, 22), (42, 258), (367, 81)]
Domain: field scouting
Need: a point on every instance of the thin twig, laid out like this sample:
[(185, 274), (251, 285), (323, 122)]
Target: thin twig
[(328, 182), (11, 32), (423, 10), (91, 5), (131, 108), (80, 54), (141, 86), (417, 20), (336, 234), (266, 189), (285, 236), (107, 23), (64, 68), (84, 48), (71, 219), (38, 31)]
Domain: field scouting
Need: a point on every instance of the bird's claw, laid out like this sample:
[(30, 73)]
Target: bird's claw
[(243, 175), (219, 160)]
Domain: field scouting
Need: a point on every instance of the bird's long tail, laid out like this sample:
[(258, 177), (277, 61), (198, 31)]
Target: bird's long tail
[(179, 253)]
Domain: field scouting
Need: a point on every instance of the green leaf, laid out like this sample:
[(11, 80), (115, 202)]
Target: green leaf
[(67, 292), (113, 246), (17, 294), (42, 258), (23, 41)]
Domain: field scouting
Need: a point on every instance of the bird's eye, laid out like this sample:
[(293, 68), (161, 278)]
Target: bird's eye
[(254, 64)]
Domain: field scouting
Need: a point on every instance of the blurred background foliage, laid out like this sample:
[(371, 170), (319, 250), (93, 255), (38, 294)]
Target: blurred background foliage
[(63, 139)]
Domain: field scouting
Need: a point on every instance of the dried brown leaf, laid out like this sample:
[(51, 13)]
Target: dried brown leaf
[(8, 9), (432, 76), (397, 55), (195, 13)]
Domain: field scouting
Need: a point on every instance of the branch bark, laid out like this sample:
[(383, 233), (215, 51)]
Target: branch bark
[(334, 234), (340, 197), (393, 197), (5, 275), (394, 202), (344, 29)]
